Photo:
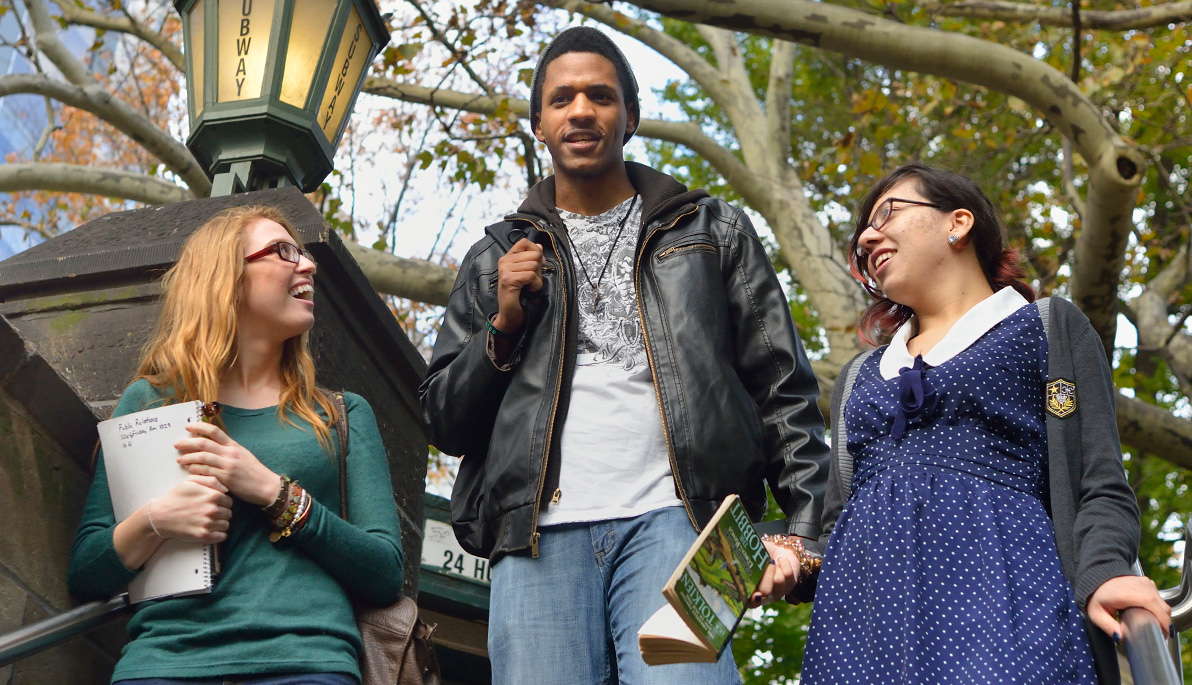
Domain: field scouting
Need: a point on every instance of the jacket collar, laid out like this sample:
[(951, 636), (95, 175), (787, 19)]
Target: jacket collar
[(967, 330), (662, 197)]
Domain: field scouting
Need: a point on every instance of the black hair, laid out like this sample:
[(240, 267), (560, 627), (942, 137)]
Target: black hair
[(585, 39), (951, 191)]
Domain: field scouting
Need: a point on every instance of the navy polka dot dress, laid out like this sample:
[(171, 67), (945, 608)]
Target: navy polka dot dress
[(942, 567)]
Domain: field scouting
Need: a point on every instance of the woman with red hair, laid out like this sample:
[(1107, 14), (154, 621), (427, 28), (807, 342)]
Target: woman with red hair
[(981, 527), (264, 482)]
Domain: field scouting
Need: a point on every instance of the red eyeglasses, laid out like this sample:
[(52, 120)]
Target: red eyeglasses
[(287, 251)]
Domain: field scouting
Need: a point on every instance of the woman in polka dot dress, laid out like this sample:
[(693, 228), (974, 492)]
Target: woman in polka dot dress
[(967, 548)]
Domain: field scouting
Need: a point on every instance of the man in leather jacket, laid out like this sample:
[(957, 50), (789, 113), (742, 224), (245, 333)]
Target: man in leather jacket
[(616, 358)]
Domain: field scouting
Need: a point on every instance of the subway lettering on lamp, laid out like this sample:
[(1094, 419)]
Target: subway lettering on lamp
[(243, 43)]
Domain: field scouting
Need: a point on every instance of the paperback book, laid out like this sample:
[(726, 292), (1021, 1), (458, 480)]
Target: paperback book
[(709, 592)]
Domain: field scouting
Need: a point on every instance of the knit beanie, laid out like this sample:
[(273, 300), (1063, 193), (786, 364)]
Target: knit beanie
[(584, 39)]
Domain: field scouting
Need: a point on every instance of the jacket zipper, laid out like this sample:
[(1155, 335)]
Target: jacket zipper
[(703, 247), (641, 313), (534, 536)]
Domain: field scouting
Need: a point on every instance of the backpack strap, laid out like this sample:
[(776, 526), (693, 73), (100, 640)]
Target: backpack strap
[(844, 460), (1044, 306)]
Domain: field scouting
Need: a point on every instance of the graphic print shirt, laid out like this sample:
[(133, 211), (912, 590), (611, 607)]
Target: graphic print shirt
[(614, 458)]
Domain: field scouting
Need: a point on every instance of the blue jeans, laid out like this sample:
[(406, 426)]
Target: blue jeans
[(572, 614), (289, 679)]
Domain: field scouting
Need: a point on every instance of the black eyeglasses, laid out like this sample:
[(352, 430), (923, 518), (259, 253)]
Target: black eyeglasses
[(287, 251), (886, 208)]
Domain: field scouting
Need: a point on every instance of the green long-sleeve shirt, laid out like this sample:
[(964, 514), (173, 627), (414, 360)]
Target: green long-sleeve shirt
[(275, 608)]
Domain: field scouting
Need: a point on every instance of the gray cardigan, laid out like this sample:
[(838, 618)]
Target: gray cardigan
[(1093, 510)]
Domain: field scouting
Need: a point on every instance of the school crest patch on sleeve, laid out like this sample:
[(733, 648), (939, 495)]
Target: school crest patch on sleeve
[(1061, 397)]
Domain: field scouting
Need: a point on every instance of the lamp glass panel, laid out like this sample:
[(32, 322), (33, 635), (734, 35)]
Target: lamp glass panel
[(308, 33), (244, 30), (350, 60), (196, 57)]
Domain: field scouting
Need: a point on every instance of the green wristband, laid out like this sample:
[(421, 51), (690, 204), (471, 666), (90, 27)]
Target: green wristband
[(488, 323)]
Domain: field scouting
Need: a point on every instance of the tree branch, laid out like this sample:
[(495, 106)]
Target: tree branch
[(74, 14), (900, 46), (72, 178), (46, 35), (410, 278), (1154, 430), (51, 126), (93, 98), (1115, 164), (724, 47), (740, 104), (1116, 20), (453, 49), (723, 160), (671, 48), (778, 95), (1155, 330), (1067, 171)]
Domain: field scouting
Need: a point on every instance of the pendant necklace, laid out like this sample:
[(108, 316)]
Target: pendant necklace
[(599, 279)]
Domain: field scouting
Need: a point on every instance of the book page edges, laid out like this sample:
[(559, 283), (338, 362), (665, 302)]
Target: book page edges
[(666, 639)]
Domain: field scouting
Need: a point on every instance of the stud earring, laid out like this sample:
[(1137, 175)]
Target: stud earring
[(952, 239)]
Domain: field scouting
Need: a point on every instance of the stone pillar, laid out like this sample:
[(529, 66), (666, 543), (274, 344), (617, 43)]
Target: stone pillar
[(46, 441)]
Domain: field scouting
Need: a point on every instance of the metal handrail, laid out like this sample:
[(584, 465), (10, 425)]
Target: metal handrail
[(1147, 649), (1180, 596), (1154, 657), (46, 633)]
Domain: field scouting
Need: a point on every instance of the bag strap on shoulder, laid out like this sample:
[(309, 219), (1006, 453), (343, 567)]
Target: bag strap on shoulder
[(341, 433)]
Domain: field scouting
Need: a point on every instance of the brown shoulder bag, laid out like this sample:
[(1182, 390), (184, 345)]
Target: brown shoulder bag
[(397, 644)]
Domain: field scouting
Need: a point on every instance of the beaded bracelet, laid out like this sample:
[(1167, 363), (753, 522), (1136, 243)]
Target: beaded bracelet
[(303, 514), (809, 562), (294, 516), (290, 512), (275, 508)]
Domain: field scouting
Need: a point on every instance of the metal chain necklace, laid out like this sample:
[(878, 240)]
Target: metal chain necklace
[(599, 279)]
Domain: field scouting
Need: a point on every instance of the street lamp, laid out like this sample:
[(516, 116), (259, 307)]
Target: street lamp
[(270, 85)]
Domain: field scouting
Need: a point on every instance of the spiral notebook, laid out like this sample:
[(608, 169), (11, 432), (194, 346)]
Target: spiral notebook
[(139, 458)]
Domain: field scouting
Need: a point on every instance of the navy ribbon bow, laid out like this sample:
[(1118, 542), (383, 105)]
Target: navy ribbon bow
[(916, 397)]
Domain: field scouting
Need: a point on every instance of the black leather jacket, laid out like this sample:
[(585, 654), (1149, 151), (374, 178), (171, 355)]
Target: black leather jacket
[(736, 393)]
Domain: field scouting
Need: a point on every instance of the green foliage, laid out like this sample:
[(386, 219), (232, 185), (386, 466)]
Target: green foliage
[(331, 206), (769, 649), (807, 322), (1161, 487)]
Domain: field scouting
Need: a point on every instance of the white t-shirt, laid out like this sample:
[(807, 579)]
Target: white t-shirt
[(614, 458)]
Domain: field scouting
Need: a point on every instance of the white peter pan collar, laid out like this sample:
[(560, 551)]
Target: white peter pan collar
[(967, 330)]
